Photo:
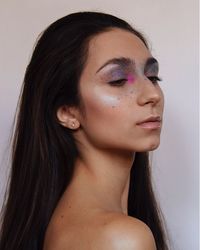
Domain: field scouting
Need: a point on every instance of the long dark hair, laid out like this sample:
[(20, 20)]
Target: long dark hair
[(44, 152)]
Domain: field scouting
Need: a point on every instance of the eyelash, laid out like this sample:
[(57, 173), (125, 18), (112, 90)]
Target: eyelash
[(121, 82), (118, 83), (154, 79)]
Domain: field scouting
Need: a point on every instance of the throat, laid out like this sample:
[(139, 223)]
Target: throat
[(124, 199)]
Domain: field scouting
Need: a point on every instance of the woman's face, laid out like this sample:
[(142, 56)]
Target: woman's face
[(119, 89)]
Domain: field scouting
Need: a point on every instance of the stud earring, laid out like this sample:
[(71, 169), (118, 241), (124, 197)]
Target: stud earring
[(73, 125)]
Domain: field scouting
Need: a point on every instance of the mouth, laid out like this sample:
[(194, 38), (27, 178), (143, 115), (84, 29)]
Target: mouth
[(152, 122)]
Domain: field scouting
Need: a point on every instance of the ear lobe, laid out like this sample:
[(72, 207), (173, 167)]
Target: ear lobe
[(67, 117)]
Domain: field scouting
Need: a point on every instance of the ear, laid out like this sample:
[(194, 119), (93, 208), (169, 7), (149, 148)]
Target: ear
[(68, 117)]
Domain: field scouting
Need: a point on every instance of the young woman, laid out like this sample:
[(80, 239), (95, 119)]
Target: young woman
[(90, 111)]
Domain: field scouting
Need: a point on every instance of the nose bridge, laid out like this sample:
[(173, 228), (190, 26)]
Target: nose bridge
[(148, 92)]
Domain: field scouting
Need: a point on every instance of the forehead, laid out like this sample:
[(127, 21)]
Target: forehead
[(113, 44)]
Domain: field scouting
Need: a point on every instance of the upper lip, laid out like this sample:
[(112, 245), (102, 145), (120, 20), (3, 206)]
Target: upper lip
[(151, 119)]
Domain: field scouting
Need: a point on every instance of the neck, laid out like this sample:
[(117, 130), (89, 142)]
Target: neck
[(106, 175)]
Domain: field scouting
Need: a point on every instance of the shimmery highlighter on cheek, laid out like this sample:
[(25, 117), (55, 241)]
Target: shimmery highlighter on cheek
[(130, 78)]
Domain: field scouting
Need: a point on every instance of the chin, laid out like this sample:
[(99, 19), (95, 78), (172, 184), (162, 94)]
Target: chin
[(148, 146), (153, 147)]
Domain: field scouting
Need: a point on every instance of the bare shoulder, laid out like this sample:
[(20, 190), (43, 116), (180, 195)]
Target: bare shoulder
[(108, 231), (127, 233)]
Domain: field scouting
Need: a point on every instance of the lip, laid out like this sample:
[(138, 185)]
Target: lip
[(152, 122)]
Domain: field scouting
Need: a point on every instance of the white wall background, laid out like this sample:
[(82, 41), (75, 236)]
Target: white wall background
[(172, 28)]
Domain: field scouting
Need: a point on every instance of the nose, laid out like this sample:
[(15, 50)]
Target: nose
[(150, 93)]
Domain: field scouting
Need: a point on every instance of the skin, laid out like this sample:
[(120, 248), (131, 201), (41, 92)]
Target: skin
[(94, 206)]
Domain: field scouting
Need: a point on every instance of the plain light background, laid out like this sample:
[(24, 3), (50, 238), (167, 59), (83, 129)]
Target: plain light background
[(171, 27)]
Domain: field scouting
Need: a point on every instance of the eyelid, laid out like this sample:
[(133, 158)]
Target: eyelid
[(118, 82), (154, 78)]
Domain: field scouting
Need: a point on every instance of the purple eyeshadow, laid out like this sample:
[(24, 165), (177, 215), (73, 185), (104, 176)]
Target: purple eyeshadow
[(120, 74), (151, 68), (117, 74)]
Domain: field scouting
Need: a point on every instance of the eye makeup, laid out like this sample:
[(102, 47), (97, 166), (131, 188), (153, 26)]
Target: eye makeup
[(151, 67), (123, 70), (119, 75), (131, 78), (120, 71), (121, 61)]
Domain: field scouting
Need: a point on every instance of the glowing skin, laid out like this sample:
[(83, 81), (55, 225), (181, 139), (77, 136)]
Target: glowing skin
[(110, 100)]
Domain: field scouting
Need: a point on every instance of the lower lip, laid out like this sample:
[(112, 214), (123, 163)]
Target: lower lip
[(150, 125)]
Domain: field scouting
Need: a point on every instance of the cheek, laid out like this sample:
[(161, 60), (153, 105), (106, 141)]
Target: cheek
[(105, 109), (107, 101), (107, 106), (105, 117), (101, 105), (102, 112)]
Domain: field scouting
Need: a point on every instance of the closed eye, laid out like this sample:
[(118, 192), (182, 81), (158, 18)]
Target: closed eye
[(154, 79), (118, 83), (121, 82)]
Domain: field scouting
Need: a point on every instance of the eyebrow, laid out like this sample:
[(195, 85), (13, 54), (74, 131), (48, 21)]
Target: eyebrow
[(126, 62)]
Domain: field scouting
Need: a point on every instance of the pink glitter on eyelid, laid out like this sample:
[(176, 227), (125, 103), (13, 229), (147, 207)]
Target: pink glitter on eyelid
[(131, 78)]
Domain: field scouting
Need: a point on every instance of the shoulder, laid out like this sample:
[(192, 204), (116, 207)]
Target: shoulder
[(127, 233), (109, 231)]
